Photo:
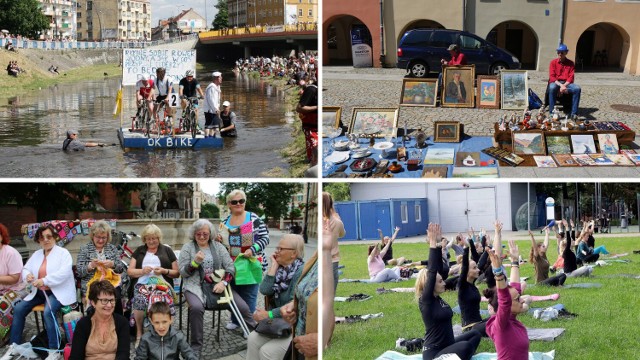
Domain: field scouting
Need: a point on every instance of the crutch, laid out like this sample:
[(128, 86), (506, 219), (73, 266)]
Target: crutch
[(228, 299)]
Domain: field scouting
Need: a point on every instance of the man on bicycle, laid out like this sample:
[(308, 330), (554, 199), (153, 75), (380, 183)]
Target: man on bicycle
[(188, 88), (144, 93), (162, 88)]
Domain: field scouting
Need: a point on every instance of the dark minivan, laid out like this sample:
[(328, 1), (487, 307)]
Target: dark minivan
[(420, 51)]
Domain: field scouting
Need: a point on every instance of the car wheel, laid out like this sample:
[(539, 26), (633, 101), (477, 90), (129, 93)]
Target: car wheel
[(419, 69), (497, 68)]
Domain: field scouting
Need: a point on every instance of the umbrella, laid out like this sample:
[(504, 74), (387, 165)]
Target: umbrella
[(5, 31)]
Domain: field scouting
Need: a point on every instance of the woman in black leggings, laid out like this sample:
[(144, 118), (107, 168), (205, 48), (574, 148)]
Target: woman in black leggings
[(538, 257), (437, 314)]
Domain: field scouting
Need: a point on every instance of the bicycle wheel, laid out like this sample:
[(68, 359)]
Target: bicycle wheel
[(147, 122), (192, 124)]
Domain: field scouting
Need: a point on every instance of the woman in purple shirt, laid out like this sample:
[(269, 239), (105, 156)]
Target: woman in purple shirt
[(508, 334)]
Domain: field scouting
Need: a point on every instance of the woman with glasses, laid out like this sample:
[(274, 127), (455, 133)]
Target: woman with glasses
[(278, 286), (154, 266), (102, 334), (243, 232), (199, 258), (98, 255), (49, 272)]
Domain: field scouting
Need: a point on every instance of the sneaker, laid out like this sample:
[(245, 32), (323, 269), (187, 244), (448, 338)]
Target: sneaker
[(54, 355), (231, 326), (401, 344), (11, 352)]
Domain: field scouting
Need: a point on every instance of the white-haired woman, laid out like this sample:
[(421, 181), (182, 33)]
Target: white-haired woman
[(151, 264), (199, 258), (243, 232), (278, 285)]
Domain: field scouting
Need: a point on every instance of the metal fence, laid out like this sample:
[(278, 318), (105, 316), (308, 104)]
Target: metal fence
[(66, 45)]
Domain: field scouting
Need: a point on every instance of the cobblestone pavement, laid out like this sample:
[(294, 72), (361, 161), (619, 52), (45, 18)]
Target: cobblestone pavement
[(372, 87), (232, 345)]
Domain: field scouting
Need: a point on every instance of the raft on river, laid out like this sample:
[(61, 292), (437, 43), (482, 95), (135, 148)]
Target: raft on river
[(138, 140)]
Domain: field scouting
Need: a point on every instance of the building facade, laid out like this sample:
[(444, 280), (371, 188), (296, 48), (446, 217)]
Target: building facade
[(237, 13), (62, 19), (531, 30), (114, 20)]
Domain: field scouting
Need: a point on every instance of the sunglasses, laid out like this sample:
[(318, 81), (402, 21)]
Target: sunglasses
[(236, 202)]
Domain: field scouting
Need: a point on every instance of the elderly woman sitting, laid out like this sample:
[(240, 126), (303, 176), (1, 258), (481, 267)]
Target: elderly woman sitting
[(199, 258), (99, 255), (154, 266), (278, 285), (11, 288)]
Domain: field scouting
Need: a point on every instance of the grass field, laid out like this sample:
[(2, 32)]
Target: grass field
[(606, 327)]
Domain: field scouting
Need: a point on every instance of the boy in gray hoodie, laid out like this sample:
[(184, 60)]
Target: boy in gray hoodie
[(163, 342)]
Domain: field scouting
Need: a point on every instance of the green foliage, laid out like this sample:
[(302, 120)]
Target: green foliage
[(294, 213), (23, 17), (269, 199), (124, 190), (50, 200), (222, 17), (604, 328), (210, 211), (338, 191)]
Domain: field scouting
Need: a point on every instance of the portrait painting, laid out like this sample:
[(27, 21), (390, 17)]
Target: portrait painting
[(330, 119), (419, 92), (488, 92), (378, 122), (514, 87), (457, 90), (608, 143)]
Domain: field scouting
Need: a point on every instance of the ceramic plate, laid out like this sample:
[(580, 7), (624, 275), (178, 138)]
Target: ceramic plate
[(360, 154), (338, 157), (383, 145)]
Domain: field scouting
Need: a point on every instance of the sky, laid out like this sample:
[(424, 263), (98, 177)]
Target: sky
[(163, 9), (210, 187)]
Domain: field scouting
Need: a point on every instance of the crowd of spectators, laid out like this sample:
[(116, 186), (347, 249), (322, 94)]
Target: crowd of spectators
[(294, 68)]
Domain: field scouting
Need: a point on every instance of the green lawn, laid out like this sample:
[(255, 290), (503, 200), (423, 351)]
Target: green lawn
[(606, 326)]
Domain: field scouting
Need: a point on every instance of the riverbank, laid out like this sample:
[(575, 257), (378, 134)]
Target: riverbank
[(72, 68)]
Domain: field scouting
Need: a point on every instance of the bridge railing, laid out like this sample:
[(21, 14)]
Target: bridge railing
[(249, 30), (65, 45)]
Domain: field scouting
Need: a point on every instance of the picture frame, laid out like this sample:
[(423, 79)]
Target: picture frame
[(528, 143), (446, 131), (419, 92), (381, 121), (488, 92), (462, 95), (514, 85), (608, 143), (330, 118), (583, 144), (558, 144)]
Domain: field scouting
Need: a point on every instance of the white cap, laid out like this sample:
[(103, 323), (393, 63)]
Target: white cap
[(216, 74), (226, 103), (144, 77)]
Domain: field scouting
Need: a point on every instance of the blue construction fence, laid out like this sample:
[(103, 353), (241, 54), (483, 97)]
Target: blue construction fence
[(64, 45), (363, 218)]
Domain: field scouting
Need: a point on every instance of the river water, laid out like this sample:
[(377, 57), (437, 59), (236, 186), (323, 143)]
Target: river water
[(33, 127)]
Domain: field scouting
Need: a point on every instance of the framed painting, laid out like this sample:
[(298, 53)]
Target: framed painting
[(419, 92), (446, 131), (608, 143), (381, 122), (488, 92), (583, 144), (528, 143), (558, 144), (330, 119), (513, 89), (458, 86)]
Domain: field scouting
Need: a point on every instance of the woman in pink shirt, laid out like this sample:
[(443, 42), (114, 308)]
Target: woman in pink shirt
[(377, 271), (10, 284), (508, 334)]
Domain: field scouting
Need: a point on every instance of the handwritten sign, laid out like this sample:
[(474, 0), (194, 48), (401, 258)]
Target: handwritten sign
[(136, 62)]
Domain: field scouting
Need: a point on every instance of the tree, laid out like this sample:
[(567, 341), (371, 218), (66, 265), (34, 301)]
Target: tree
[(209, 211), (338, 191), (269, 199), (221, 20), (294, 214), (23, 17)]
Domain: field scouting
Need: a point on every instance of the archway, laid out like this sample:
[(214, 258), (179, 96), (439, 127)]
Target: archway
[(419, 24), (601, 48), (338, 37), (519, 39)]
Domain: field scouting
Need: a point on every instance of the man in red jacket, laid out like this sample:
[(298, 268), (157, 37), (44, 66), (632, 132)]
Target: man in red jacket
[(561, 80)]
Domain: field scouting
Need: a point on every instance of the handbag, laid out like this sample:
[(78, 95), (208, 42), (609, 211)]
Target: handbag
[(211, 298), (248, 270), (274, 328), (534, 100)]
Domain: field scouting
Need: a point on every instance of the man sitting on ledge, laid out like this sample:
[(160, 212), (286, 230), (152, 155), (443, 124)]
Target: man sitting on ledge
[(561, 81)]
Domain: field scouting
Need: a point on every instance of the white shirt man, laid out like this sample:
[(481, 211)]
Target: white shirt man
[(212, 106)]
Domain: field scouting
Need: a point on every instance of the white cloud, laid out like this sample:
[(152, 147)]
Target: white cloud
[(163, 9)]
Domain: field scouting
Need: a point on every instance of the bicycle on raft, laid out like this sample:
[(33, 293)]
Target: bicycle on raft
[(189, 119)]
